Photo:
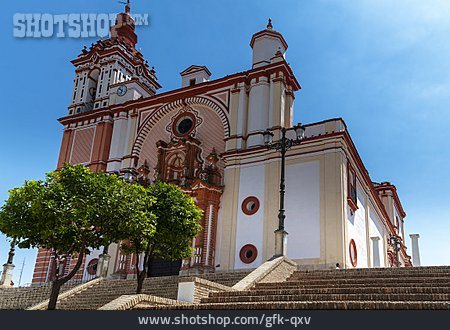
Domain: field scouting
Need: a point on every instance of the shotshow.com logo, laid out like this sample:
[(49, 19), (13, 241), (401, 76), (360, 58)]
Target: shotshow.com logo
[(72, 25)]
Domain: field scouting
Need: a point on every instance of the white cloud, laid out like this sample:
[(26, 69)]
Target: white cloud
[(393, 25)]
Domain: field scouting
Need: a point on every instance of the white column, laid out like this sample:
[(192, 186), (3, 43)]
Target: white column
[(241, 128), (258, 108), (375, 251), (415, 249), (118, 143), (208, 237)]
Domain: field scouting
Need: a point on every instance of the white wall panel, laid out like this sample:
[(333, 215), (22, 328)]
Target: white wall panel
[(376, 230), (95, 254), (356, 230), (303, 210), (250, 227)]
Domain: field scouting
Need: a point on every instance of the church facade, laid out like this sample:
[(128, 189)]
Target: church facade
[(208, 138)]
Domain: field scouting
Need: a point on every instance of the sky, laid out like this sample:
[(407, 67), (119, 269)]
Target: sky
[(381, 65)]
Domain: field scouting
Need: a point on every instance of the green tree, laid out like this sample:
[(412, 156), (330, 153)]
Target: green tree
[(176, 225), (69, 212)]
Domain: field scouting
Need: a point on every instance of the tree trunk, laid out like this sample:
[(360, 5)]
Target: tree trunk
[(140, 281), (58, 282), (141, 275), (141, 278), (56, 287)]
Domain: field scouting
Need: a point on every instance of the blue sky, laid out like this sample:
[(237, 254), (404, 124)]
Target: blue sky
[(382, 65)]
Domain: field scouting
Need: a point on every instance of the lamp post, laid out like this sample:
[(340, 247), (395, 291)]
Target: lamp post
[(8, 268), (282, 145), (395, 242), (129, 175)]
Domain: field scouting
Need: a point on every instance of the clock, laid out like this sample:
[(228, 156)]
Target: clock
[(122, 90)]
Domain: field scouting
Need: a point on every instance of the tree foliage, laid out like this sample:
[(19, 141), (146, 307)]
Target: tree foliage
[(74, 209), (71, 211), (176, 225)]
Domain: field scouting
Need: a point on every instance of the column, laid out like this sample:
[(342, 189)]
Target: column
[(415, 249), (128, 161), (375, 251), (258, 111), (118, 142), (242, 117)]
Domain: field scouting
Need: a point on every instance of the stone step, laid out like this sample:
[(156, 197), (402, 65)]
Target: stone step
[(442, 281), (327, 297), (166, 287), (288, 286), (338, 274), (99, 296), (349, 290), (308, 305), (347, 286), (24, 297), (386, 270)]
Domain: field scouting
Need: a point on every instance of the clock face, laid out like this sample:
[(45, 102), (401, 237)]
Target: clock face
[(122, 90)]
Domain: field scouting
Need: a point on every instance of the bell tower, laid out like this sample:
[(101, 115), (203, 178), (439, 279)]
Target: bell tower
[(112, 71), (271, 94)]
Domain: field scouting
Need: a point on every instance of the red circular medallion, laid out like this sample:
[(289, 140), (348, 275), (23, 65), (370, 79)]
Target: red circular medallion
[(248, 253), (92, 266), (250, 205)]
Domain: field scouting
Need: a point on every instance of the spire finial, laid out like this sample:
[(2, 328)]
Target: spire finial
[(269, 24), (127, 6)]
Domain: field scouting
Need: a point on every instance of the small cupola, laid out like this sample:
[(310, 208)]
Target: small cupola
[(193, 75), (266, 44)]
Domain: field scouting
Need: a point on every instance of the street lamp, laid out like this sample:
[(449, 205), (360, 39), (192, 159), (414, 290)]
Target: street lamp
[(396, 242), (282, 146), (129, 175)]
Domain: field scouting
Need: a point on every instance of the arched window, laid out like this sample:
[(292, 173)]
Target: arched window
[(92, 85)]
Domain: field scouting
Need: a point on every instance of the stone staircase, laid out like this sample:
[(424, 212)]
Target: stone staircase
[(379, 288), (105, 291), (24, 297)]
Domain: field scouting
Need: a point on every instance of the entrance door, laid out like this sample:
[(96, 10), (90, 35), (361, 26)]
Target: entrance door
[(164, 268)]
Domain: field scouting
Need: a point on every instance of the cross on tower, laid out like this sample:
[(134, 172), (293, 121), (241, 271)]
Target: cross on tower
[(127, 6)]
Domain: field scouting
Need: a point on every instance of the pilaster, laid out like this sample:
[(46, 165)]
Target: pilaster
[(128, 161), (258, 113), (415, 249)]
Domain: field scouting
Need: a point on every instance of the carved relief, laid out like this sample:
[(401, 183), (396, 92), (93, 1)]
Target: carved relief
[(179, 161)]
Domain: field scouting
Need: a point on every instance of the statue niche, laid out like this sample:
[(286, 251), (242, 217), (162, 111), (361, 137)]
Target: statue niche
[(180, 163)]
